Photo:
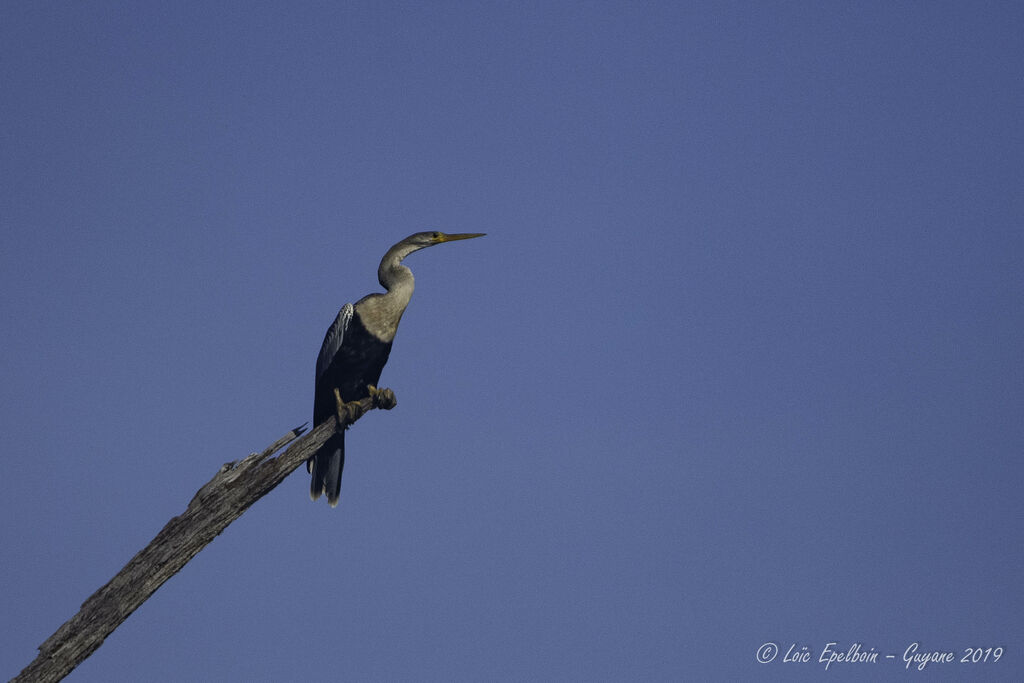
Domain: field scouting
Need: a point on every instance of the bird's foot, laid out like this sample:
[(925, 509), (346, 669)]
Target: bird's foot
[(382, 398), (347, 413)]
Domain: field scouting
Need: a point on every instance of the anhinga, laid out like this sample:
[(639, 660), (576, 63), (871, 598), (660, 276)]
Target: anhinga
[(355, 350)]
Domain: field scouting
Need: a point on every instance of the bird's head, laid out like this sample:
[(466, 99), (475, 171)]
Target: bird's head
[(421, 240), (429, 239)]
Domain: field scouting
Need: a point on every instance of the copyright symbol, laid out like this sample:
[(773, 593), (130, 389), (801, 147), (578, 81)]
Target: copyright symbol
[(767, 652)]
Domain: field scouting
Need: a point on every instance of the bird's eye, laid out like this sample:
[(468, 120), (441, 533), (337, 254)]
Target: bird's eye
[(435, 235)]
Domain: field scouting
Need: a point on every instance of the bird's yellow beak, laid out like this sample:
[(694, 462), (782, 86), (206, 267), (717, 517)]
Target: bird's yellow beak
[(442, 237)]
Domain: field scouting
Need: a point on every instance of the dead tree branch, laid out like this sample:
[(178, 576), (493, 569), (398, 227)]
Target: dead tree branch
[(222, 500)]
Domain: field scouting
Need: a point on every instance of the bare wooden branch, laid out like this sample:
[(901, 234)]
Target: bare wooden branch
[(222, 500)]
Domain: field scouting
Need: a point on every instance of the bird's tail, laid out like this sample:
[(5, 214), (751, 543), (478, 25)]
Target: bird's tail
[(326, 468)]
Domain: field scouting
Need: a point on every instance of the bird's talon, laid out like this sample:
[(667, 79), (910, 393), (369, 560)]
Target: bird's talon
[(382, 398), (346, 413)]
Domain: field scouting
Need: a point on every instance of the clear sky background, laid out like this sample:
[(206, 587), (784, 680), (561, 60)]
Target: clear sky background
[(739, 360)]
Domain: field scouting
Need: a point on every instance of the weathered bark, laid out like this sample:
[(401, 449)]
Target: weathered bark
[(223, 499)]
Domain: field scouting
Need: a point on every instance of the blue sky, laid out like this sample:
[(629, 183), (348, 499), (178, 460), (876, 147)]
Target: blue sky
[(738, 362)]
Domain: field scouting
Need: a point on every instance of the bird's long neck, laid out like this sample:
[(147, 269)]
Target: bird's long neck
[(396, 278), (381, 313)]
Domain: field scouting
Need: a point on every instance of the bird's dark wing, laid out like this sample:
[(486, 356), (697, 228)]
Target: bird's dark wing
[(333, 339), (326, 464)]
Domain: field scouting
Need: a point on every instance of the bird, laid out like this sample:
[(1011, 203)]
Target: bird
[(354, 351)]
